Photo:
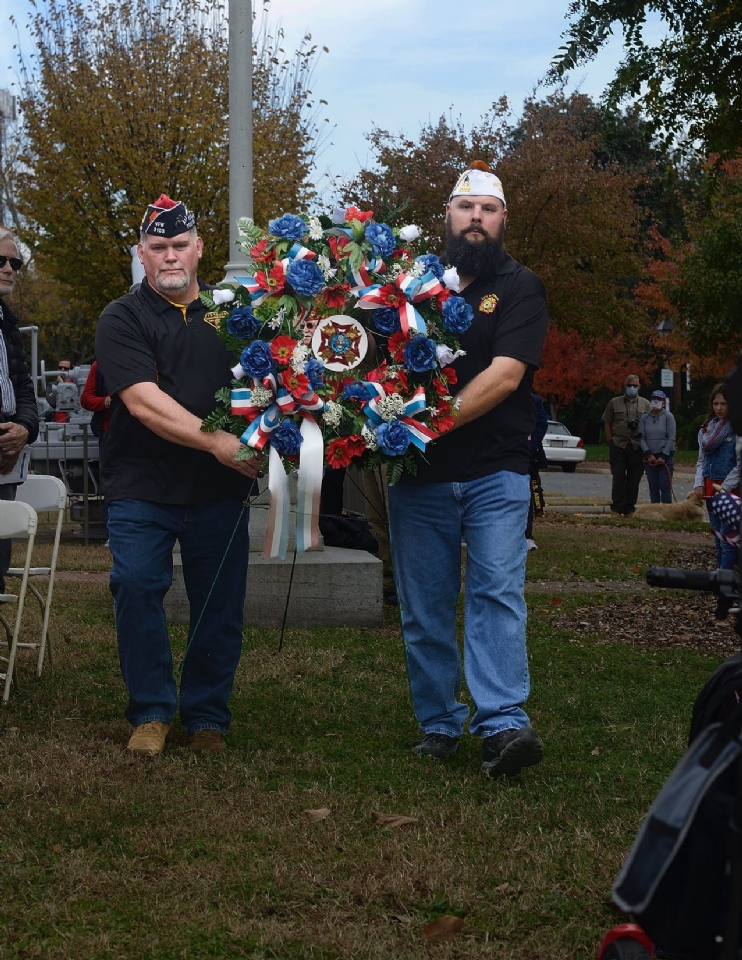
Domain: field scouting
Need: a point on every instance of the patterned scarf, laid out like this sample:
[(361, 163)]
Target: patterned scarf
[(713, 434)]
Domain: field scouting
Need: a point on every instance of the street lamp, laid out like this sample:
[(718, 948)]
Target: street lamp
[(240, 131)]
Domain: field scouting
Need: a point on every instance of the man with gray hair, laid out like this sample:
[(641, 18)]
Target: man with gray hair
[(19, 414), (474, 482), (168, 481), (620, 421)]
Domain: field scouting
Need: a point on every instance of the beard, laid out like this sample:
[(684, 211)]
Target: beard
[(173, 284), (473, 259)]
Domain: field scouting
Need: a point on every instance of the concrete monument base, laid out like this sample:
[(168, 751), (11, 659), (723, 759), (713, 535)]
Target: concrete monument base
[(330, 588)]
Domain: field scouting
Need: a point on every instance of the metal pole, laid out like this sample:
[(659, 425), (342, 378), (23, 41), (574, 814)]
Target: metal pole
[(240, 130)]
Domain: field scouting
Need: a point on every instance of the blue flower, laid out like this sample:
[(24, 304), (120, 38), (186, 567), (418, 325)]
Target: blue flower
[(243, 323), (420, 355), (386, 320), (393, 438), (381, 238), (457, 315), (432, 264), (256, 360), (288, 227), (356, 391), (305, 277), (315, 370), (286, 438)]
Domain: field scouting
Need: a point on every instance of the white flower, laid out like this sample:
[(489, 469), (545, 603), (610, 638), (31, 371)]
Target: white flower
[(451, 279), (417, 269), (390, 407), (299, 357), (276, 322), (369, 437), (261, 397), (222, 296), (325, 265), (238, 373), (409, 233), (333, 414), (315, 229), (395, 271), (446, 355)]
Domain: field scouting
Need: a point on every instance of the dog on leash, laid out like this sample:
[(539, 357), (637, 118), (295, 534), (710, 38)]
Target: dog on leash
[(691, 508)]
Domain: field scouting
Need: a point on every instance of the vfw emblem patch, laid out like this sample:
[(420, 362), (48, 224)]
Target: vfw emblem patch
[(213, 317), (488, 303)]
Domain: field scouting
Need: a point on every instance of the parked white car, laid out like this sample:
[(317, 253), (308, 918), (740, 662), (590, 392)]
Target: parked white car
[(561, 448)]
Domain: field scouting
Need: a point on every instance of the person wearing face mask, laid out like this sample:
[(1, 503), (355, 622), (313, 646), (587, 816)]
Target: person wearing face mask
[(657, 438), (620, 421)]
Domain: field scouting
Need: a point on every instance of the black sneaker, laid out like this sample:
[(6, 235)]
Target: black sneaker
[(438, 745), (507, 752)]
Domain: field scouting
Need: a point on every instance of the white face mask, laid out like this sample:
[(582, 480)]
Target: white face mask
[(656, 404), (632, 391)]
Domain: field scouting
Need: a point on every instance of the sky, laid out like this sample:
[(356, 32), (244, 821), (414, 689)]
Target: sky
[(398, 64)]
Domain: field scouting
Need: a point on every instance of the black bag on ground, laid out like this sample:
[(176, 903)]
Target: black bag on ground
[(348, 530)]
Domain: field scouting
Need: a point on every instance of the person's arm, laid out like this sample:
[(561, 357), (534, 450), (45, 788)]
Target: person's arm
[(169, 420), (488, 389), (542, 424), (607, 419), (89, 399), (670, 436), (640, 431)]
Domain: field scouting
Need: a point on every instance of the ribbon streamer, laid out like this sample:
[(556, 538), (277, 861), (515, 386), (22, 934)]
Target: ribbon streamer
[(420, 435), (413, 290), (257, 435)]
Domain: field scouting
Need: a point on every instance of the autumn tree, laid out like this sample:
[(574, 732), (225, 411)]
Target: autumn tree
[(122, 101), (687, 83)]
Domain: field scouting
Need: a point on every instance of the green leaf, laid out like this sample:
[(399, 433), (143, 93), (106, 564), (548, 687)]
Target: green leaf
[(394, 471), (216, 420), (224, 396), (245, 453)]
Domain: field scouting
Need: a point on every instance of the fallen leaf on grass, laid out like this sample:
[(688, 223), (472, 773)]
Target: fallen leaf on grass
[(502, 888), (57, 848), (595, 752), (392, 819), (442, 930), (556, 601), (322, 814)]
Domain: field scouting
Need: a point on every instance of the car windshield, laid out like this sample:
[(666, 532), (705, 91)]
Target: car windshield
[(558, 428)]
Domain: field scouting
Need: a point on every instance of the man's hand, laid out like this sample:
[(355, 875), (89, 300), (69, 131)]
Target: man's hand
[(13, 439), (7, 464), (225, 447)]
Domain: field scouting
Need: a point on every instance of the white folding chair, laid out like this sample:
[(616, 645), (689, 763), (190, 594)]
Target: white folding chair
[(17, 520), (44, 494)]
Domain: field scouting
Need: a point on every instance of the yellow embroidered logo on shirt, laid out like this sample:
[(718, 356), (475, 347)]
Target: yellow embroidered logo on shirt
[(488, 303), (213, 317)]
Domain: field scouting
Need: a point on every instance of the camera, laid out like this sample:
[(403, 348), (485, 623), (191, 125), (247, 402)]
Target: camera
[(632, 425)]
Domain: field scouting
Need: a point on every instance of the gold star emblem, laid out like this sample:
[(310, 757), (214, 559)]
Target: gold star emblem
[(488, 303)]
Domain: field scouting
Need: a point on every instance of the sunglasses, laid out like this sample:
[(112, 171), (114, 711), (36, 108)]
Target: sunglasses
[(15, 262)]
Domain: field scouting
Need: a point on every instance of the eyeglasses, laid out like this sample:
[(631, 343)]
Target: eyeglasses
[(15, 262)]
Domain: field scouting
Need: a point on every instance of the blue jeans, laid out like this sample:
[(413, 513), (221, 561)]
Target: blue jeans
[(142, 536), (427, 522), (659, 479)]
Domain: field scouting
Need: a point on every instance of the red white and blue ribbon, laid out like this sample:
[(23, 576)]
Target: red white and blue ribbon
[(420, 435), (414, 290), (728, 508), (257, 435), (358, 277)]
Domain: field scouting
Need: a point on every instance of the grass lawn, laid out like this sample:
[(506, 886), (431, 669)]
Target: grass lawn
[(108, 856)]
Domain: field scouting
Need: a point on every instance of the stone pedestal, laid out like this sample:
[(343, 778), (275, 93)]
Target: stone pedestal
[(330, 588)]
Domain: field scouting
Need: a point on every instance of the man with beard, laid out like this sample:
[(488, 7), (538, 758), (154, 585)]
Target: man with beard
[(474, 483), (166, 480)]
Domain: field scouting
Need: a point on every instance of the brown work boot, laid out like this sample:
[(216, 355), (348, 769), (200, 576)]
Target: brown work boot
[(208, 741), (148, 739)]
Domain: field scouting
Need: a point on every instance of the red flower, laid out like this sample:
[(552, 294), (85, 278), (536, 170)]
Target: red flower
[(273, 282), (263, 252), (440, 385), (353, 213), (297, 384), (442, 297), (282, 348), (334, 297), (450, 374), (338, 245), (396, 345), (442, 419), (402, 253), (404, 383), (378, 373), (390, 295), (340, 452)]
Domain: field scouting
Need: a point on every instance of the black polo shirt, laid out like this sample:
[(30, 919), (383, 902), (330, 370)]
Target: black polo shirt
[(143, 338), (509, 321)]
